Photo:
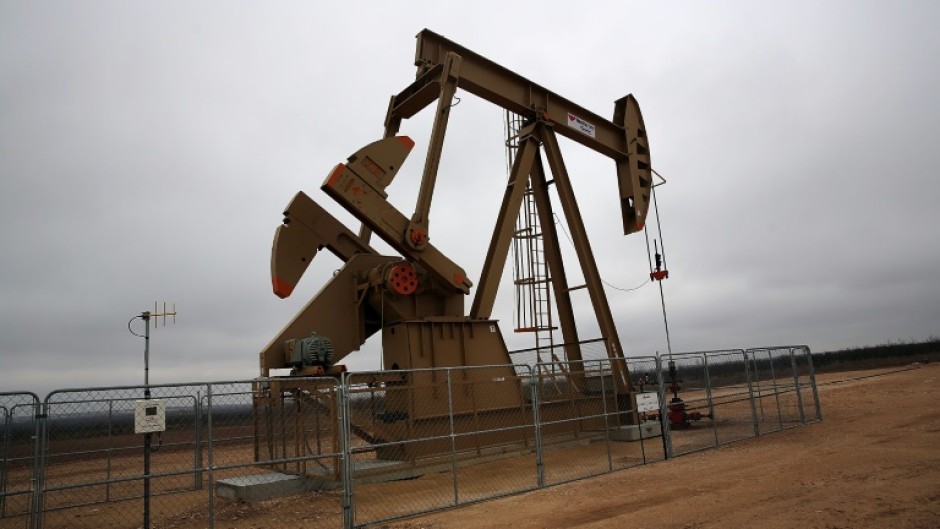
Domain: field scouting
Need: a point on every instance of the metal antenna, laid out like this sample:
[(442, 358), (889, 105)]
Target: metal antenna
[(146, 316)]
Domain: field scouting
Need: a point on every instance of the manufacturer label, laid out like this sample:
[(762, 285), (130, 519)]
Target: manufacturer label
[(580, 125)]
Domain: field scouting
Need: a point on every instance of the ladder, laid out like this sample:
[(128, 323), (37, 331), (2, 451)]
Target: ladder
[(533, 297)]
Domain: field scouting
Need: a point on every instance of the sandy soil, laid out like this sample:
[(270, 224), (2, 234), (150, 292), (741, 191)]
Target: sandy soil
[(873, 462)]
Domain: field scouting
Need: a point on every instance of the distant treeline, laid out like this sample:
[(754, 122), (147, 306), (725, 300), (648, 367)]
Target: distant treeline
[(874, 356)]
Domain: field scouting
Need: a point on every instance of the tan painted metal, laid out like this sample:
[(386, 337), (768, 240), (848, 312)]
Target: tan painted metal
[(417, 235), (585, 255), (349, 187), (557, 275), (307, 228), (623, 139), (495, 260), (416, 298)]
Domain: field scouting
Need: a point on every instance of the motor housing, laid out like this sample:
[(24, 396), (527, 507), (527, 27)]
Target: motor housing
[(315, 350)]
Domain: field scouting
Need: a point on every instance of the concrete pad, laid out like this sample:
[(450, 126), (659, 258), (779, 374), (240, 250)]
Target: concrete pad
[(260, 487)]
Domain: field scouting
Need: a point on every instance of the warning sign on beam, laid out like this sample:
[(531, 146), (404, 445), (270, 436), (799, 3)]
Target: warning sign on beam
[(580, 125)]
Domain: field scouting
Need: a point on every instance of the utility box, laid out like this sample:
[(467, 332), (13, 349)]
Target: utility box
[(647, 402), (149, 416)]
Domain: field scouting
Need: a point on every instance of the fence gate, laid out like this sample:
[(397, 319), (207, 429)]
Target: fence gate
[(18, 464)]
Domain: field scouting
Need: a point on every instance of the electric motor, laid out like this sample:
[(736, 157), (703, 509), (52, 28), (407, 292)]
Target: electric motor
[(314, 350)]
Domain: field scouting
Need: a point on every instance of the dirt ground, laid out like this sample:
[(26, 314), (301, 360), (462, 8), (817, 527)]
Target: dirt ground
[(873, 462)]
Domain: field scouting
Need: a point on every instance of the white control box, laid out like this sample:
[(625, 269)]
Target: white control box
[(647, 402), (149, 416)]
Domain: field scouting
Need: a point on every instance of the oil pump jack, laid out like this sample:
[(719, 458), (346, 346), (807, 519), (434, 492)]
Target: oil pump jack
[(416, 299)]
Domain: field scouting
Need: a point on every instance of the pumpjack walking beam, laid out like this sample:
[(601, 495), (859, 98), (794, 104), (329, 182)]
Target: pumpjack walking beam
[(623, 139)]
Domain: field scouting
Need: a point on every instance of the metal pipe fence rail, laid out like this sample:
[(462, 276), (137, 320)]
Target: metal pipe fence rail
[(377, 446)]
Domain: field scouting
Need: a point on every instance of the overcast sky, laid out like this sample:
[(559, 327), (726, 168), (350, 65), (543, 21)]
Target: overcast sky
[(147, 151)]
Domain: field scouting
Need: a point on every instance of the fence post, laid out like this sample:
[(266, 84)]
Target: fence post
[(796, 386), (197, 455), (209, 456), (600, 370), (708, 396), (750, 393), (107, 487), (346, 475), (537, 420), (453, 437), (40, 430), (639, 422), (7, 432), (663, 410), (759, 390), (812, 380), (773, 378)]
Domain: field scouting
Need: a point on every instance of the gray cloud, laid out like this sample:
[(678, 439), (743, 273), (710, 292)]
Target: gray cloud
[(146, 153)]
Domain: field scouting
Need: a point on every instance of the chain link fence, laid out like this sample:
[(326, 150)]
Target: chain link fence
[(75, 457), (427, 427), (785, 385), (717, 397), (19, 464), (270, 438), (91, 455), (377, 446), (709, 400), (588, 424)]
